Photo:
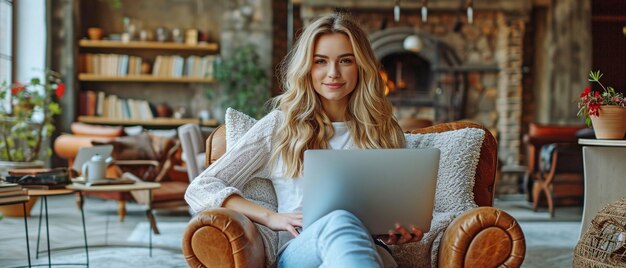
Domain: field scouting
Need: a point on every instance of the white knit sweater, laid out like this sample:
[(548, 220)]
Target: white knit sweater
[(248, 159)]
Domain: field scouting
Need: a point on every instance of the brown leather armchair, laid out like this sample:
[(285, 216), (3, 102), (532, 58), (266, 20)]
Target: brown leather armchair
[(150, 158), (539, 135), (481, 237)]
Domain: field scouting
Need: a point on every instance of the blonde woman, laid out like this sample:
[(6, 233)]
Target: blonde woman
[(333, 99)]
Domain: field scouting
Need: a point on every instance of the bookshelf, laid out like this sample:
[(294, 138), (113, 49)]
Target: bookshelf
[(138, 64), (116, 71)]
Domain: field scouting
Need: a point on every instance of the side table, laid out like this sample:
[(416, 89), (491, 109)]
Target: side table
[(604, 175), (44, 206), (138, 186), (25, 224)]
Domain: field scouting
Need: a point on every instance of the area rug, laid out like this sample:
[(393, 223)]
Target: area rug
[(134, 252), (170, 234), (550, 244)]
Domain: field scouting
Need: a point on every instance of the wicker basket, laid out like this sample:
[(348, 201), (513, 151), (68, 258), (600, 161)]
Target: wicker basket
[(604, 243)]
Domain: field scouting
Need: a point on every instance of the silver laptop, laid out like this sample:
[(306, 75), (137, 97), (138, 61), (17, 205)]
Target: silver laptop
[(380, 186), (85, 153)]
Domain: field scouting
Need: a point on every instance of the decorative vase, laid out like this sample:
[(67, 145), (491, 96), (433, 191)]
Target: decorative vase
[(611, 124)]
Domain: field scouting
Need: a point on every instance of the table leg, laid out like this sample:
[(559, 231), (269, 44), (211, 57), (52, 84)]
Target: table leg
[(39, 229), (26, 229), (150, 211), (82, 215), (45, 201)]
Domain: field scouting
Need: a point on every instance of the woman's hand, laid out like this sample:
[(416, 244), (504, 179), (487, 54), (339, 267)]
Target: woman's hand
[(401, 235), (285, 222)]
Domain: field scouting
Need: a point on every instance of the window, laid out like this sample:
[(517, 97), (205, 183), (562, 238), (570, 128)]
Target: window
[(6, 40)]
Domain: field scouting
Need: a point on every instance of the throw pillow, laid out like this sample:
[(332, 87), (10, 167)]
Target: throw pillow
[(138, 147), (237, 124), (460, 152)]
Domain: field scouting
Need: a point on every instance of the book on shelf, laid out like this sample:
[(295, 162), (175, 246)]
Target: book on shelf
[(93, 103)]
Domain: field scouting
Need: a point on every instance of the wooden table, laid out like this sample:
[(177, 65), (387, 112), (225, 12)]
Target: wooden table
[(138, 186), (605, 175)]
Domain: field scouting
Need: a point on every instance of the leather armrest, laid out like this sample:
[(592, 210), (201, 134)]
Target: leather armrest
[(482, 237), (222, 237)]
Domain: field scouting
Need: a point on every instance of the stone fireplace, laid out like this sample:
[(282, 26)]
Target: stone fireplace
[(414, 76), (463, 71)]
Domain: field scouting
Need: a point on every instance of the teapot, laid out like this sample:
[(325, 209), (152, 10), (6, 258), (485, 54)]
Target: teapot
[(95, 168)]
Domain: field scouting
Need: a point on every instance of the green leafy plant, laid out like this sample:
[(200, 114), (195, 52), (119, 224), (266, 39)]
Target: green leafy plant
[(243, 81), (590, 100), (29, 119)]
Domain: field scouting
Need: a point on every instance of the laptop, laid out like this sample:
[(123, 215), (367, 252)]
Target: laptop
[(381, 187), (86, 153)]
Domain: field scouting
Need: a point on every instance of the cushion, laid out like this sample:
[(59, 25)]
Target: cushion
[(96, 130), (460, 152), (138, 147), (237, 124)]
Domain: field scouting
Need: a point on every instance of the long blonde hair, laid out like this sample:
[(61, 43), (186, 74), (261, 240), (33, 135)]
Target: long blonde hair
[(369, 115)]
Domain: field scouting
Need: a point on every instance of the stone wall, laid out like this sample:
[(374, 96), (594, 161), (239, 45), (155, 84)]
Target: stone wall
[(493, 40)]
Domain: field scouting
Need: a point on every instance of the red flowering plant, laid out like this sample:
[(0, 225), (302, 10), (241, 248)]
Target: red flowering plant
[(590, 100), (27, 113)]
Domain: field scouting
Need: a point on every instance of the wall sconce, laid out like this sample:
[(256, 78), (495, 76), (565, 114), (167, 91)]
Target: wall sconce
[(396, 11), (424, 11), (470, 12), (413, 43)]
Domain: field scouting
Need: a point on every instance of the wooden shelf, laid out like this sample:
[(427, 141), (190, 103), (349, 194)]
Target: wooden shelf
[(141, 78), (208, 47), (172, 122), (597, 142)]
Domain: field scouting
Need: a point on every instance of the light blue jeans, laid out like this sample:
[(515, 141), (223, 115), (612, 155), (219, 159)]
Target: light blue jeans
[(338, 239)]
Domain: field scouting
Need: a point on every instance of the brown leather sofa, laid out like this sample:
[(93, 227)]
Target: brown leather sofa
[(481, 237)]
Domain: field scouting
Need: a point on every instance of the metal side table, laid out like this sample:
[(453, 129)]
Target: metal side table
[(44, 208), (23, 202)]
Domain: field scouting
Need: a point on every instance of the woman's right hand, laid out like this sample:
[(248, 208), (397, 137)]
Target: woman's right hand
[(285, 222)]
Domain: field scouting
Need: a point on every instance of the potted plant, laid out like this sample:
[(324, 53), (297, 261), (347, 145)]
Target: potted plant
[(27, 121), (605, 110), (243, 81)]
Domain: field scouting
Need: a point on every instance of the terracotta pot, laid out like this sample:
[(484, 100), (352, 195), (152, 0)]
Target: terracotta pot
[(94, 33), (611, 124)]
